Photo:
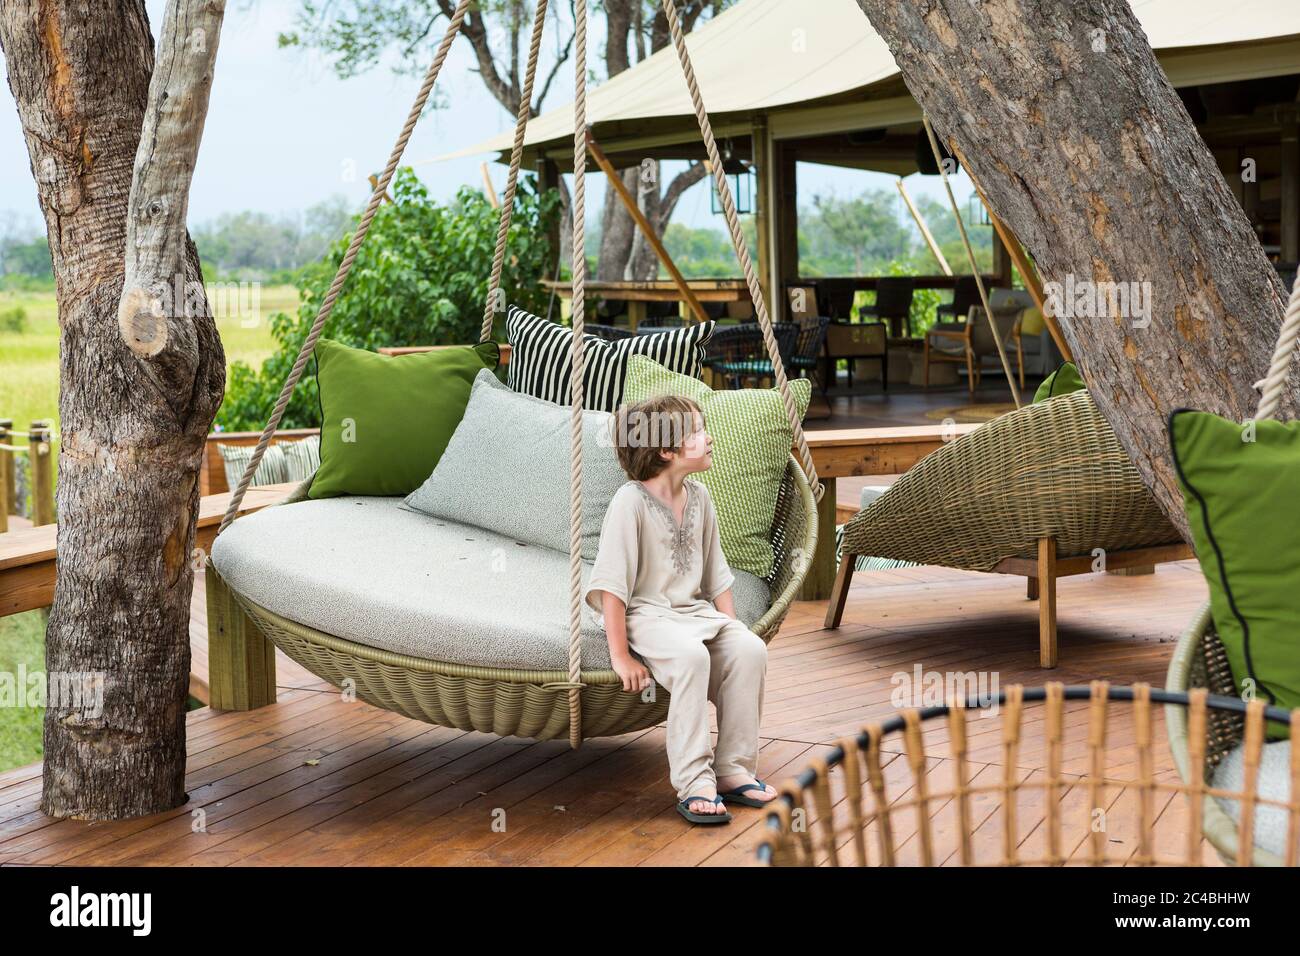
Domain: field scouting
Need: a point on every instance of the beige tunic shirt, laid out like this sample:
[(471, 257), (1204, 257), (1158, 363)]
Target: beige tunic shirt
[(662, 572)]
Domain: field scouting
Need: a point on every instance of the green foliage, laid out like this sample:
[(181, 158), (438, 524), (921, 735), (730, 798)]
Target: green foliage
[(420, 278), (26, 257), (853, 236), (707, 253), (13, 320)]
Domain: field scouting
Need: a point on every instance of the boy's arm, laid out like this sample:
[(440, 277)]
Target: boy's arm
[(725, 603), (615, 612)]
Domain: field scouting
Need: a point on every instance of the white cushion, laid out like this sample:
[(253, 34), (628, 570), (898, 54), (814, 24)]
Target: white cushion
[(373, 571), (1274, 784)]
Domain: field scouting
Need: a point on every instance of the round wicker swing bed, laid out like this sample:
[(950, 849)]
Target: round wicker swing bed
[(543, 703), (521, 702)]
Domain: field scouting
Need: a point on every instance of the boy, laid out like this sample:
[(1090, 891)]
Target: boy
[(664, 589)]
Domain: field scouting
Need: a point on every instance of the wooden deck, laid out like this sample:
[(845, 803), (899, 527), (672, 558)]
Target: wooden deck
[(315, 780)]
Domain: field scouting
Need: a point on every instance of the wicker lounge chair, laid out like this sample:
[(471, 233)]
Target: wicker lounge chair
[(1035, 492)]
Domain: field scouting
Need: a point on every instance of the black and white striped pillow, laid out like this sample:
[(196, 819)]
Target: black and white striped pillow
[(541, 364)]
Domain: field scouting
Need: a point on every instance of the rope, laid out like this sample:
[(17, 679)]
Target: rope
[(579, 267), (363, 227), (1278, 368), (742, 250), (974, 266), (516, 158)]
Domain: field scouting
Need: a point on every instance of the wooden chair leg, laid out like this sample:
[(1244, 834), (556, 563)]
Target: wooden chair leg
[(1047, 602), (970, 374), (1031, 588), (925, 375), (1020, 363), (840, 590)]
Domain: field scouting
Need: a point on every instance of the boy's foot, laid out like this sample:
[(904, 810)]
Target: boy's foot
[(758, 793), (704, 806)]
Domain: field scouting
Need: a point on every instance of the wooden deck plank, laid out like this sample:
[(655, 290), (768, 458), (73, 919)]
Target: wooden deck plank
[(315, 780)]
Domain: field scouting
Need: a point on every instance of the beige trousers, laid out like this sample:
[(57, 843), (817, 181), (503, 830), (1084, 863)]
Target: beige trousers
[(727, 668)]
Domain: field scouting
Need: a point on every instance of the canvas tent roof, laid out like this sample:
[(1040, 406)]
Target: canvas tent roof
[(819, 67)]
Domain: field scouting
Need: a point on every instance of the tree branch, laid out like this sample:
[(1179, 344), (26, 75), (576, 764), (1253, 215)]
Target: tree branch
[(158, 302)]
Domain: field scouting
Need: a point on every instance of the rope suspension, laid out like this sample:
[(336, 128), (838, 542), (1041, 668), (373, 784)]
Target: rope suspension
[(579, 269), (742, 250), (512, 181), (363, 227), (574, 684)]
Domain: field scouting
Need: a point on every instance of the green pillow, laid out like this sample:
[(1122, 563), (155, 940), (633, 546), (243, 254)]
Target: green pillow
[(1241, 488), (751, 445), (385, 420), (1063, 381)]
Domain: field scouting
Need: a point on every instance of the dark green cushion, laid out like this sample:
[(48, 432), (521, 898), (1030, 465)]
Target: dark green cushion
[(1243, 505), (386, 420), (1063, 381)]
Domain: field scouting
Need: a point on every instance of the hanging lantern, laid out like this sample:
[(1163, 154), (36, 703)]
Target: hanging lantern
[(977, 213), (741, 179)]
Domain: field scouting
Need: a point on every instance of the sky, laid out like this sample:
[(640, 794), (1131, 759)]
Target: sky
[(283, 132)]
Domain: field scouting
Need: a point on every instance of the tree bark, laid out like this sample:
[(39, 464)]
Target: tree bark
[(133, 420), (1061, 112)]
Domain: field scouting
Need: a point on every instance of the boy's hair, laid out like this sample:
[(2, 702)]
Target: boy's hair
[(645, 428)]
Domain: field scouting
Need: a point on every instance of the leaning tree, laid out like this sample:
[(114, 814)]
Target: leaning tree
[(112, 142), (1061, 112)]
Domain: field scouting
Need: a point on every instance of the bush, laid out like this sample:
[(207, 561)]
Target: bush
[(13, 320), (420, 278)]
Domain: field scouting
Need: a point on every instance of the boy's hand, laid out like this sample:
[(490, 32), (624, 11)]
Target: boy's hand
[(634, 674)]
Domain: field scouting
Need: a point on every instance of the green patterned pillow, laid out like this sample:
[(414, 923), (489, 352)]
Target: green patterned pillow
[(751, 445)]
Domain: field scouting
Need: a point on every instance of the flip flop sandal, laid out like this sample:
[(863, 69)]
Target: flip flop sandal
[(684, 809), (737, 795)]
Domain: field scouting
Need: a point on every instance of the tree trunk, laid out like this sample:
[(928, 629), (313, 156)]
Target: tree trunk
[(1062, 114), (133, 420)]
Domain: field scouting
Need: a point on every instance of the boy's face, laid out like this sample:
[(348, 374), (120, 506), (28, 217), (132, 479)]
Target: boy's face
[(697, 449)]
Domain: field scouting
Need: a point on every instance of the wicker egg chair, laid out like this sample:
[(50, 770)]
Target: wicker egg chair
[(1048, 472), (1200, 662), (879, 799), (575, 702)]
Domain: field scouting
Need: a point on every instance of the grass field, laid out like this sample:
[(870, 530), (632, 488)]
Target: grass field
[(29, 360), (29, 390), (22, 646)]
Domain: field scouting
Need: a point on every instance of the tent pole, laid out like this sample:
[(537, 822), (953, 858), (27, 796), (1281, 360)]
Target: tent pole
[(974, 265), (925, 230), (639, 218)]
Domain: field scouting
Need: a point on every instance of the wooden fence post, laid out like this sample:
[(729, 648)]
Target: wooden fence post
[(40, 453), (6, 473)]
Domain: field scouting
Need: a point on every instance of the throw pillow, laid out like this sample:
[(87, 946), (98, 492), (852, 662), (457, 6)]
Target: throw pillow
[(541, 363), (385, 420), (1241, 490), (1063, 381), (507, 469)]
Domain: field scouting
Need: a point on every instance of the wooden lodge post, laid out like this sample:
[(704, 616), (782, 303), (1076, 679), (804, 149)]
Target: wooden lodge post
[(6, 473), (40, 453)]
